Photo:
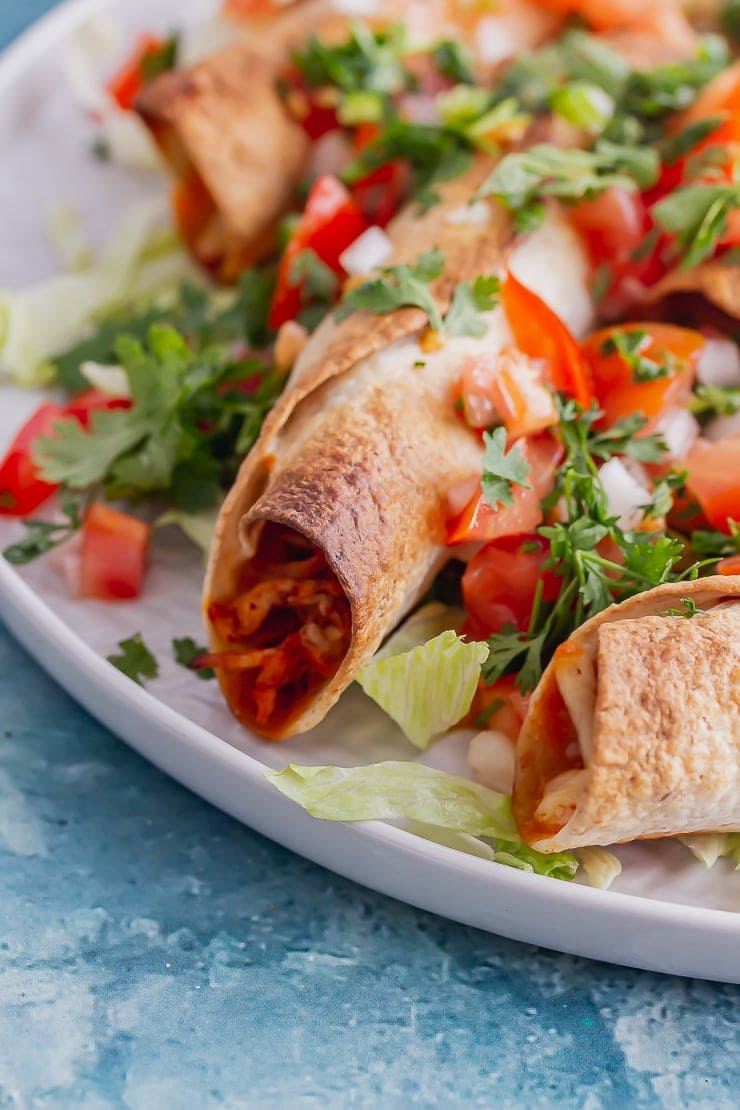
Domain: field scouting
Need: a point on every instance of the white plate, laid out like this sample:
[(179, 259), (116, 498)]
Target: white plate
[(667, 913)]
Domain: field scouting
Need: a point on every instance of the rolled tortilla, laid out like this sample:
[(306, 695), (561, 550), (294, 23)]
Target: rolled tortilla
[(346, 488), (634, 729), (236, 152), (717, 282)]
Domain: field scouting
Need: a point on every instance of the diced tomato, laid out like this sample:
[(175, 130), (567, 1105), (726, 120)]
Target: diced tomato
[(506, 387), (714, 479), (114, 554), (330, 222), (381, 193), (499, 584), (510, 707), (128, 82), (540, 334), (480, 522), (619, 395), (308, 106), (615, 227), (22, 490)]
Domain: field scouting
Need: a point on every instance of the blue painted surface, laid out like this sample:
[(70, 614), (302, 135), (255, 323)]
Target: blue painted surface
[(154, 954)]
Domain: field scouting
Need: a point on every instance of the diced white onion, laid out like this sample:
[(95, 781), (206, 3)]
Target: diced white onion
[(491, 757), (624, 494), (723, 427), (719, 363), (108, 379), (494, 40), (680, 431), (129, 141), (358, 9), (470, 215), (368, 251), (93, 45), (419, 108)]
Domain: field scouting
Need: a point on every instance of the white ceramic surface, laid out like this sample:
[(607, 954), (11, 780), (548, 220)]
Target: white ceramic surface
[(666, 912)]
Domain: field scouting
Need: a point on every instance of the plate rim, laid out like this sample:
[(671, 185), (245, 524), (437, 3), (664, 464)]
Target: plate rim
[(27, 615)]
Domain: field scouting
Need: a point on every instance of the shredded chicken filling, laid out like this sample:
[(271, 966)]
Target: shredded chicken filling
[(286, 630)]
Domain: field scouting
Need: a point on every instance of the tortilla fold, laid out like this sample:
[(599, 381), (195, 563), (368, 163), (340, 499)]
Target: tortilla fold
[(358, 456), (634, 729)]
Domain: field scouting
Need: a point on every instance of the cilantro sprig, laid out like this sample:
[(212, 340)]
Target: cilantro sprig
[(590, 579), (697, 215), (409, 286), (525, 178), (189, 423), (44, 535), (502, 469), (631, 346)]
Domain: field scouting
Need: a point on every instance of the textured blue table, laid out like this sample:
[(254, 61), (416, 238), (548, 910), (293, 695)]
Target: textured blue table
[(155, 955)]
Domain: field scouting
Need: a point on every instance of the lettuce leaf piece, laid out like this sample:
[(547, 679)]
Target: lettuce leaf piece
[(396, 791), (448, 810), (198, 527), (558, 865), (428, 689), (140, 262), (601, 867), (709, 847)]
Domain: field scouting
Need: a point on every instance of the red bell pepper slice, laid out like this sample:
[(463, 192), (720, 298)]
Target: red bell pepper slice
[(539, 333)]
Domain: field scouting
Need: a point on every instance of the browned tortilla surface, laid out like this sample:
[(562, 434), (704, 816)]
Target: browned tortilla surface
[(666, 740), (358, 456)]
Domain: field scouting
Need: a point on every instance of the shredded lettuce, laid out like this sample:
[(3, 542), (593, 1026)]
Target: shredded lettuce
[(198, 527), (709, 847), (141, 261), (601, 867), (67, 237), (444, 808), (428, 689)]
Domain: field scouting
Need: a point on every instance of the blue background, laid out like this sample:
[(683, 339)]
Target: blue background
[(154, 954)]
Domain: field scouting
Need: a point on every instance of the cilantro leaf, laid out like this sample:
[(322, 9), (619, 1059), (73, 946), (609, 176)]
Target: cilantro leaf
[(135, 660), (398, 287), (687, 610), (454, 60), (719, 545), (715, 400), (190, 421), (502, 470), (316, 280), (698, 216), (570, 175), (161, 59), (629, 345), (468, 301), (185, 651), (42, 535), (365, 61)]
